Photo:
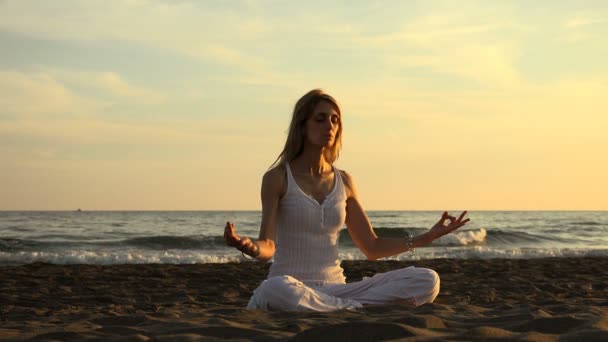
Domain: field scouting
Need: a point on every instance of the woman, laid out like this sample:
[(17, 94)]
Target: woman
[(305, 203)]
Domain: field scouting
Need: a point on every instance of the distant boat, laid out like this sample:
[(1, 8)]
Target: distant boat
[(79, 210)]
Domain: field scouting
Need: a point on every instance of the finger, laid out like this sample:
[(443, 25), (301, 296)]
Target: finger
[(228, 231), (461, 224), (452, 219), (443, 218), (447, 216), (232, 236), (462, 215), (232, 241)]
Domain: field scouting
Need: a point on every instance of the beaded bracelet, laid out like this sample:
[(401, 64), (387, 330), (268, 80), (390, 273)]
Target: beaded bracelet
[(410, 242)]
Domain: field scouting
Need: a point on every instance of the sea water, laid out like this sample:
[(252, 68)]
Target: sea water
[(176, 237)]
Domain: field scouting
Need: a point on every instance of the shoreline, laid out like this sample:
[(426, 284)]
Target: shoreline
[(347, 254), (513, 299)]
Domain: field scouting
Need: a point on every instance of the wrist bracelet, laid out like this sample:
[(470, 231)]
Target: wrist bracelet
[(410, 242), (248, 258)]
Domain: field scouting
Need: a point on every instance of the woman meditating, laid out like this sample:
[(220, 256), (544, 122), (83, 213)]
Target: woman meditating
[(306, 201)]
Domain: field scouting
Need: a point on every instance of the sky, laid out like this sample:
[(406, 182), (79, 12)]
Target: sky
[(183, 105)]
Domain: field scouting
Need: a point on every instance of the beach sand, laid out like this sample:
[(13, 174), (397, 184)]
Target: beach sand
[(534, 300)]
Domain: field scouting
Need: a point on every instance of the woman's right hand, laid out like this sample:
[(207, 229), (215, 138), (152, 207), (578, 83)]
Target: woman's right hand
[(230, 236), (244, 244)]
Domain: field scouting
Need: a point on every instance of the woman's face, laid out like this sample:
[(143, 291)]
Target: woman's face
[(322, 126)]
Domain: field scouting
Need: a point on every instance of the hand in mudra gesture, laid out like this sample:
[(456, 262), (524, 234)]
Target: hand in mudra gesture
[(442, 227), (243, 244)]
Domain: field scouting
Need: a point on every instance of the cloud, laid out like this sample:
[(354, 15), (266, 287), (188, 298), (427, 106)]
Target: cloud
[(188, 28), (438, 27), (479, 48), (47, 107), (47, 112), (110, 84), (573, 37), (52, 91), (44, 153), (117, 85), (96, 130), (577, 28), (585, 19), (247, 36), (420, 36), (491, 65), (40, 94)]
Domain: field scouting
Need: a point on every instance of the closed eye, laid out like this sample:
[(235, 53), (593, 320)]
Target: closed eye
[(335, 119)]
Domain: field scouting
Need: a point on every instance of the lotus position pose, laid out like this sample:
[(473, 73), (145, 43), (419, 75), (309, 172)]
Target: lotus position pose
[(306, 201)]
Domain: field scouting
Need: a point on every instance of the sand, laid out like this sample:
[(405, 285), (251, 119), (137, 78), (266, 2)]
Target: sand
[(533, 300)]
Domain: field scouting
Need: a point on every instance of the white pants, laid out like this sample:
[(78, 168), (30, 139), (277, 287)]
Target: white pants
[(411, 285)]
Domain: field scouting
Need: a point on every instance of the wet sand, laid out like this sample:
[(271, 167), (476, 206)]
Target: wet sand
[(563, 299)]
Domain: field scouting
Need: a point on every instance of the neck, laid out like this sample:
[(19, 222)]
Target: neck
[(312, 162)]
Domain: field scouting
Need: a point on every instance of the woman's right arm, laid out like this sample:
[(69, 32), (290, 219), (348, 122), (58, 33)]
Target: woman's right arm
[(274, 187)]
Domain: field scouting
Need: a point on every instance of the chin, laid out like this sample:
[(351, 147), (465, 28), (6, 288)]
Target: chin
[(324, 143)]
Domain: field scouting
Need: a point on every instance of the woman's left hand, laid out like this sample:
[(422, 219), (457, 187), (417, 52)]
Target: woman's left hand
[(441, 228)]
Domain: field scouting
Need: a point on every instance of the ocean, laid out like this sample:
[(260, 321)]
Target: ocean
[(186, 237)]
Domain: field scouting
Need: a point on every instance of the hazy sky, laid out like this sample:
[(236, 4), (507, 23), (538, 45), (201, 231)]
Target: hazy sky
[(183, 105)]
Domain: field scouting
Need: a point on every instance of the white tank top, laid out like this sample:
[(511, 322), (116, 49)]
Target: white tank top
[(307, 234)]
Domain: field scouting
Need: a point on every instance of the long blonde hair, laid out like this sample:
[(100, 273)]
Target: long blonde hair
[(295, 138)]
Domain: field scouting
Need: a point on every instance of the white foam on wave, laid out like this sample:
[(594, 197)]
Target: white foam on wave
[(462, 238), (181, 257), (355, 255), (113, 258)]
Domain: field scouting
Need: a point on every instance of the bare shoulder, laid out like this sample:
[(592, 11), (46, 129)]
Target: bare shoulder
[(276, 174), (349, 183), (275, 180)]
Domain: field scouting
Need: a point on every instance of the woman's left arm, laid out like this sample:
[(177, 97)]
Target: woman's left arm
[(374, 247)]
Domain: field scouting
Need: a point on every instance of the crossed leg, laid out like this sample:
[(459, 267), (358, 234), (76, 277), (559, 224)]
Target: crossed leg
[(411, 285)]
